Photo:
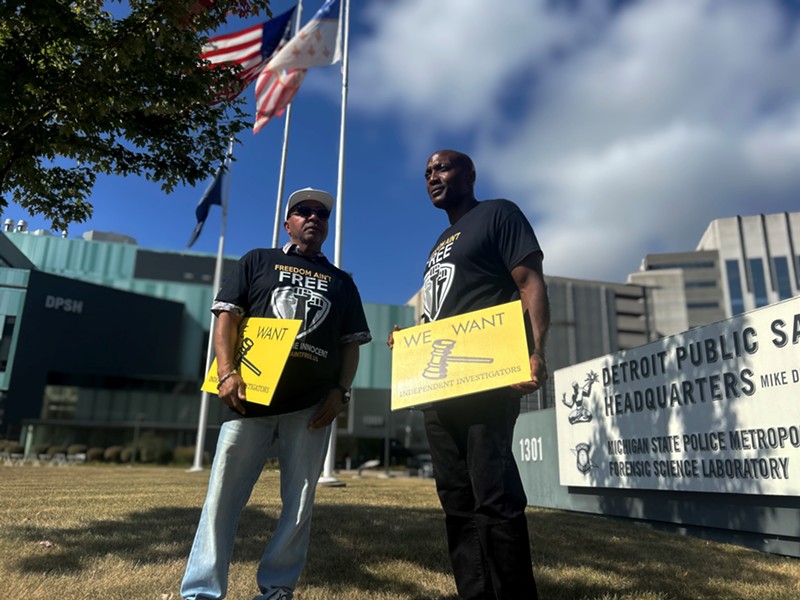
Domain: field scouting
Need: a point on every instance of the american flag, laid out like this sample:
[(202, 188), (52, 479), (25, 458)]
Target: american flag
[(274, 92), (251, 48), (315, 45)]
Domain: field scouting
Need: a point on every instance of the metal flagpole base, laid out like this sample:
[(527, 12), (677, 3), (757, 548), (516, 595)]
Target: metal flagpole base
[(330, 481), (327, 479)]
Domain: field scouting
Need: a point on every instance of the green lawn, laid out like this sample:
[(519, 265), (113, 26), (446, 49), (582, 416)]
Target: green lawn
[(86, 532)]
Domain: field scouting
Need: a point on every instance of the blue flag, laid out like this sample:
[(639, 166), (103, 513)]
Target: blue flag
[(213, 195)]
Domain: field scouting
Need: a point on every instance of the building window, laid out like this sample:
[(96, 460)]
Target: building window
[(5, 341), (782, 276), (59, 402), (759, 283), (702, 305), (700, 284), (797, 270), (735, 287), (689, 265)]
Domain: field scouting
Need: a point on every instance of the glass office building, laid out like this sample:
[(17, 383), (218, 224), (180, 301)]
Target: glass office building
[(102, 338)]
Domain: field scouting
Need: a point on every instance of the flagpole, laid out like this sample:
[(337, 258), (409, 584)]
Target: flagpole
[(328, 479), (202, 423), (282, 175), (340, 185)]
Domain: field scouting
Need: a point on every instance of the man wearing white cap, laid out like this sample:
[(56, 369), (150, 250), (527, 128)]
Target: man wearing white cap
[(293, 282)]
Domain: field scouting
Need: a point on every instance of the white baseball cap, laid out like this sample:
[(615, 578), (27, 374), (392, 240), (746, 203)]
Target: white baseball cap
[(320, 196)]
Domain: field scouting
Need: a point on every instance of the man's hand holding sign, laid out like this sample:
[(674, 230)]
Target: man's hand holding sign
[(250, 356), (469, 353)]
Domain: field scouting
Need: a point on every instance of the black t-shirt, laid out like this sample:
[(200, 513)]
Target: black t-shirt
[(269, 282), (469, 267)]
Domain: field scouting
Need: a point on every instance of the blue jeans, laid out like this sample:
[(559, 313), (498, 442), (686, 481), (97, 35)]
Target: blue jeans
[(242, 451)]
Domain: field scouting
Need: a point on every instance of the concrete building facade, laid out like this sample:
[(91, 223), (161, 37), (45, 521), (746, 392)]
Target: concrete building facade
[(740, 263)]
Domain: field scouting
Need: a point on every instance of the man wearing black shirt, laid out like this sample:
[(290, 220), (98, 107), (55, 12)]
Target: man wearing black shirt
[(295, 282), (489, 255)]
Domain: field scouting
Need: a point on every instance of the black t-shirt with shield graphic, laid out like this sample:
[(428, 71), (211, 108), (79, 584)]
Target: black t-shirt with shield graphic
[(276, 283), (470, 265)]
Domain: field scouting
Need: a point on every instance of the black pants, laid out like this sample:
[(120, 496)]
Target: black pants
[(482, 495)]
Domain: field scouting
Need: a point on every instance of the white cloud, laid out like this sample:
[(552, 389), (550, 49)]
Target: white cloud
[(773, 151), (447, 62), (644, 124)]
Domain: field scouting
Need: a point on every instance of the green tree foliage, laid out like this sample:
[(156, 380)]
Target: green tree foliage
[(86, 91)]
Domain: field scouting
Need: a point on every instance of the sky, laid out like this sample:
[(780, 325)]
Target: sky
[(620, 128)]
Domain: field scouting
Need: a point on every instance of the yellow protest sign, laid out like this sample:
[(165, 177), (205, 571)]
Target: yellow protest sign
[(473, 352), (261, 352)]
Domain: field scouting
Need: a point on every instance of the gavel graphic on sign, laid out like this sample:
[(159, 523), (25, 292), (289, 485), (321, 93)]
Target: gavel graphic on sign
[(441, 354), (247, 345)]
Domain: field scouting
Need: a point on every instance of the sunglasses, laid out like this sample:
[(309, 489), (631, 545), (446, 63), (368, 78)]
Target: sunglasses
[(307, 211)]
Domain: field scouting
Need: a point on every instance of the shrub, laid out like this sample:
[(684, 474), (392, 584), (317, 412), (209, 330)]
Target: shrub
[(153, 449), (94, 454), (161, 455), (38, 449), (113, 454), (13, 448), (77, 449), (53, 450), (164, 456), (183, 455), (126, 454)]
